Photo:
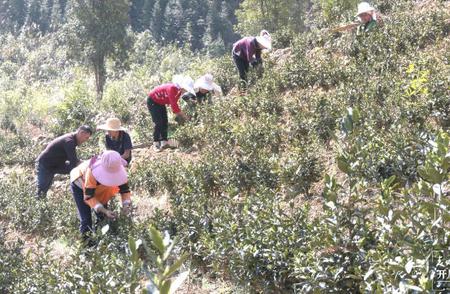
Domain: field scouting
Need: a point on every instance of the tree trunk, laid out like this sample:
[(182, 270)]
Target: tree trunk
[(100, 75)]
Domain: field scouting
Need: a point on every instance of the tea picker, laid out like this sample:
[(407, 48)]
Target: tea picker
[(204, 87), (59, 157), (117, 138), (94, 183), (367, 19), (158, 98), (247, 51)]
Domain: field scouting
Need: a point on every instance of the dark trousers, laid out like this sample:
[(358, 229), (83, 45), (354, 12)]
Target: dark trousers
[(242, 66), (84, 211), (159, 118), (44, 179)]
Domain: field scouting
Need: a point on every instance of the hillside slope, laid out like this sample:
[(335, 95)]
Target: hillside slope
[(330, 174)]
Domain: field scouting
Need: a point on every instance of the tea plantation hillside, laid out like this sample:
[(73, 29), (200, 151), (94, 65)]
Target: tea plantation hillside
[(330, 174)]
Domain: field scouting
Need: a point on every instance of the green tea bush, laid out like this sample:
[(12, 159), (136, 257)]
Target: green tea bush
[(10, 260), (255, 240), (13, 110), (300, 169), (77, 108), (143, 127), (17, 149), (350, 121), (378, 241), (116, 102), (118, 264), (27, 213)]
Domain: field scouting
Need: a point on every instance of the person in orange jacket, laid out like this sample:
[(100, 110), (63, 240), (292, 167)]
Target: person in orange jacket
[(94, 183)]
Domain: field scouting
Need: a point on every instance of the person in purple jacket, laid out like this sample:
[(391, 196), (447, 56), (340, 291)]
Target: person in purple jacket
[(248, 50)]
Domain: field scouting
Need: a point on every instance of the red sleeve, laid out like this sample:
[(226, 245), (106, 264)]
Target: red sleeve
[(174, 95)]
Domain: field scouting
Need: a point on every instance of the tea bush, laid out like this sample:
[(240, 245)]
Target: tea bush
[(329, 174), (77, 108), (383, 139), (115, 264), (28, 214), (17, 149), (10, 260), (380, 241)]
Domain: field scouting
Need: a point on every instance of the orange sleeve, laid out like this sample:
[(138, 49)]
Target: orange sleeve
[(92, 202)]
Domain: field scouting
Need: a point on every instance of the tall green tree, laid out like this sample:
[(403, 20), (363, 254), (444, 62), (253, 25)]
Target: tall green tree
[(147, 14), (254, 15), (57, 16), (97, 30), (229, 19), (136, 14), (157, 24), (13, 14), (34, 14), (174, 22)]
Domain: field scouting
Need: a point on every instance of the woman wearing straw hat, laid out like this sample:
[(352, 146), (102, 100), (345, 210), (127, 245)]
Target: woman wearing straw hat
[(117, 138), (248, 51), (367, 17), (203, 86), (93, 183), (158, 98)]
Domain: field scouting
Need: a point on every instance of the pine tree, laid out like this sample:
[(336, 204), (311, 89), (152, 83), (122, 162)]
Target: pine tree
[(136, 14), (147, 14), (229, 20), (34, 15), (173, 29), (46, 15), (12, 15), (193, 22), (57, 16), (157, 20), (63, 6)]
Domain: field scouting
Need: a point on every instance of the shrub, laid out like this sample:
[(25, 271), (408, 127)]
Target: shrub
[(77, 108)]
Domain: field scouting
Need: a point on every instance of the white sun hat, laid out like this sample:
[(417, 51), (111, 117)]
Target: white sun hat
[(265, 39), (364, 7), (207, 82), (184, 82), (112, 124)]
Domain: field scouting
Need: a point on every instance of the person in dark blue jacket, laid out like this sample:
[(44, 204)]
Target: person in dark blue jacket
[(59, 157), (117, 138)]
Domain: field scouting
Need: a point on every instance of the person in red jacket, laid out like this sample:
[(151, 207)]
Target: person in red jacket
[(158, 98), (248, 51)]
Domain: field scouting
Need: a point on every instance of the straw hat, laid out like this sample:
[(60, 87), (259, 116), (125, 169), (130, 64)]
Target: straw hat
[(109, 169), (112, 124), (364, 7), (184, 82), (207, 82), (264, 39)]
